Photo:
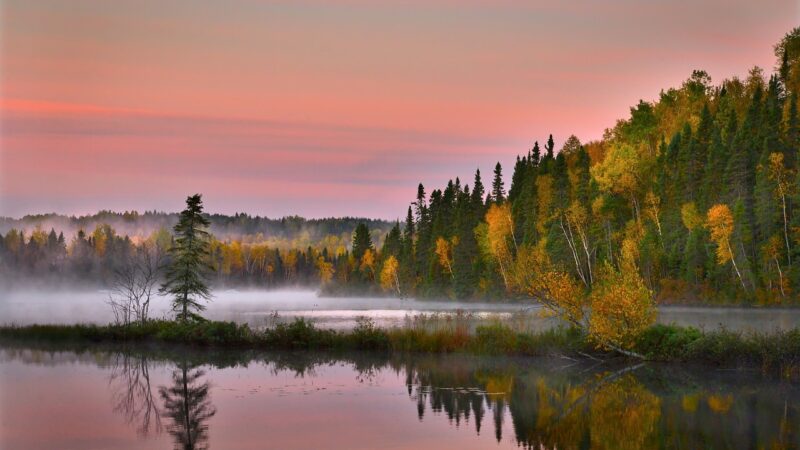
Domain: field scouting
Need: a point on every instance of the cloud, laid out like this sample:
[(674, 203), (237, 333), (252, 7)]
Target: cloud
[(56, 156)]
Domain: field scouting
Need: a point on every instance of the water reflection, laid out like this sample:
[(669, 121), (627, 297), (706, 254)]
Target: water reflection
[(187, 404), (132, 394), (528, 403)]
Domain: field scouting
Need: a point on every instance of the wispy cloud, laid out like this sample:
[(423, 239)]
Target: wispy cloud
[(59, 154)]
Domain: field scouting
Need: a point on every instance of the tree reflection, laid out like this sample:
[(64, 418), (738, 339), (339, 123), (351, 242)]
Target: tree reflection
[(187, 404), (536, 403), (608, 410), (132, 394)]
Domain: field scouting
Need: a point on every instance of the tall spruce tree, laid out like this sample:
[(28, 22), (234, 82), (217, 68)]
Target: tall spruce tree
[(498, 191), (186, 274), (361, 241)]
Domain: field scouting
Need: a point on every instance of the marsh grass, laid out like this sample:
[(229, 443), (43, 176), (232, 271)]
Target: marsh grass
[(774, 352)]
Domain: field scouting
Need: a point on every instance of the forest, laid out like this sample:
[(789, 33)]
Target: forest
[(695, 193), (245, 250)]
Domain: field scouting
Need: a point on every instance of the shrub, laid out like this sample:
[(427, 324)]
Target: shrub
[(666, 342), (367, 337), (299, 334), (206, 333)]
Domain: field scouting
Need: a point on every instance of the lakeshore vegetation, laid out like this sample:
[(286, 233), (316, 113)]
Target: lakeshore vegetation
[(775, 353)]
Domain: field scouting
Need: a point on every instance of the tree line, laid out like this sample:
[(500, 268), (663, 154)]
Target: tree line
[(95, 256), (696, 192)]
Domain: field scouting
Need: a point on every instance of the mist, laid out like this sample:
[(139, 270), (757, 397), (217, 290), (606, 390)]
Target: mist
[(261, 308), (25, 306)]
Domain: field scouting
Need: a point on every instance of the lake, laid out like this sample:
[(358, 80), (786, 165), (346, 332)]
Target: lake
[(262, 308), (100, 398)]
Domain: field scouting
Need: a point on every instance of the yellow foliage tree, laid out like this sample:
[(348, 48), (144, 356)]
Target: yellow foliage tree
[(39, 237), (720, 224), (499, 234), (622, 306), (535, 276), (618, 309), (368, 263), (290, 264), (620, 173), (326, 270), (100, 236), (232, 260), (444, 251), (389, 279)]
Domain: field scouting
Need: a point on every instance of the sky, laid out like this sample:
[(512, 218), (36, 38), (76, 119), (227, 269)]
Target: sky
[(322, 108)]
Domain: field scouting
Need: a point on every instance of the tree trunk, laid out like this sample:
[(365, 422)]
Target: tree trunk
[(786, 232), (780, 276), (733, 260)]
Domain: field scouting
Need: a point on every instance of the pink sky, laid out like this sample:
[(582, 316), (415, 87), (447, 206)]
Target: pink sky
[(329, 108)]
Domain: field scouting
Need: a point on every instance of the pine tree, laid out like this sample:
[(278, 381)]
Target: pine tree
[(478, 192), (520, 169), (393, 244), (362, 241), (185, 276), (536, 154), (498, 192)]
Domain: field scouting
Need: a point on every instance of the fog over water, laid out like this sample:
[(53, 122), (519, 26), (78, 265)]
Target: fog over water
[(258, 308)]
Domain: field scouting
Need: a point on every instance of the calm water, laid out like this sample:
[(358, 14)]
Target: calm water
[(69, 399)]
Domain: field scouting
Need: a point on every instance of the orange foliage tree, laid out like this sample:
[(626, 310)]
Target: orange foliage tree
[(720, 224)]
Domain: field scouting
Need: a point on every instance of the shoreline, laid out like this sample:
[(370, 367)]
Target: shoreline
[(775, 352)]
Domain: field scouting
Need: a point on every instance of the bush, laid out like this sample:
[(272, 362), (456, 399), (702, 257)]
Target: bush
[(299, 334), (666, 342), (366, 336), (205, 333), (722, 348)]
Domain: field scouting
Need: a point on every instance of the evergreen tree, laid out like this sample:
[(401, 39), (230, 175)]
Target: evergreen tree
[(498, 192), (520, 169), (536, 154), (186, 273), (478, 192), (362, 241), (393, 244), (549, 147), (187, 405)]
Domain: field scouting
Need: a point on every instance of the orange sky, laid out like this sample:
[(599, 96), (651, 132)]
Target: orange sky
[(329, 108)]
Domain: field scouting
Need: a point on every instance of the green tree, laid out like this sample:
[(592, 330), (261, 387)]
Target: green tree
[(186, 273), (498, 191), (361, 241)]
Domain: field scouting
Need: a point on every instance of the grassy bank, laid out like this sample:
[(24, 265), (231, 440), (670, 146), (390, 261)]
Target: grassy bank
[(777, 352)]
